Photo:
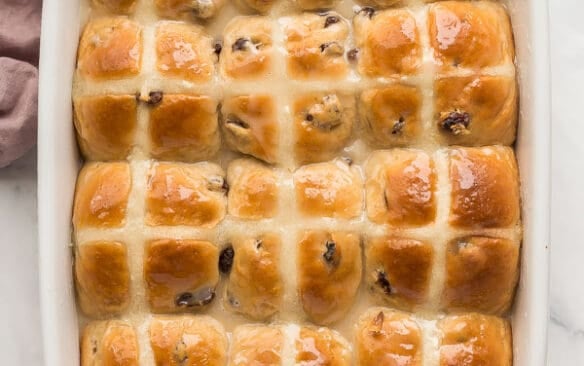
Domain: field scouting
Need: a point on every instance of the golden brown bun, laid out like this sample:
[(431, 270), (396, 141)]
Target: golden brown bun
[(105, 125), (110, 48), (180, 275), (469, 34), (250, 126), (475, 340), (101, 196), (381, 3), (400, 188), (388, 337), (259, 6), (247, 48), (329, 273), (485, 187), (116, 6), (476, 110), (322, 346), (391, 115), (316, 46), (184, 128), (332, 189), (185, 194), (187, 9), (256, 345), (316, 4), (388, 43), (102, 278), (188, 341), (323, 123), (255, 285), (481, 274), (184, 51), (253, 190), (109, 343), (399, 270)]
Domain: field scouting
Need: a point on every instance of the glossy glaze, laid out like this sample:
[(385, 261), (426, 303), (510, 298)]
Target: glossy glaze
[(188, 341), (388, 42), (321, 346), (255, 286), (105, 125), (485, 189), (173, 268), (401, 186), (101, 196), (470, 35), (110, 48), (109, 343), (323, 125), (184, 128), (398, 270), (247, 48), (332, 189), (475, 340), (102, 277), (329, 273), (391, 116), (253, 190), (256, 345), (388, 337), (251, 127), (316, 51), (185, 194), (481, 274), (184, 51)]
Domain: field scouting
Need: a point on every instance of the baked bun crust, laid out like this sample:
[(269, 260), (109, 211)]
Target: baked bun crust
[(481, 274), (388, 42), (188, 9), (316, 46), (469, 35), (109, 343), (184, 51), (391, 115), (316, 4), (476, 110), (250, 126), (115, 6), (399, 270), (101, 195), (188, 341), (180, 275), (329, 273), (184, 128), (485, 188), (400, 188), (102, 278), (185, 194), (247, 48), (254, 286), (255, 6), (110, 48), (322, 346), (388, 337), (256, 345), (323, 124), (474, 339), (105, 125), (333, 189), (253, 190)]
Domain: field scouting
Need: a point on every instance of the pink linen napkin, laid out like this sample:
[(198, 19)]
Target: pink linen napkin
[(19, 51)]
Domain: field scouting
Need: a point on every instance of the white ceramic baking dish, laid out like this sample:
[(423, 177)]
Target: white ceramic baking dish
[(58, 163)]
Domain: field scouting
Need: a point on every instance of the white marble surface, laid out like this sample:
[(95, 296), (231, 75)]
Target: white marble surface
[(19, 301)]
